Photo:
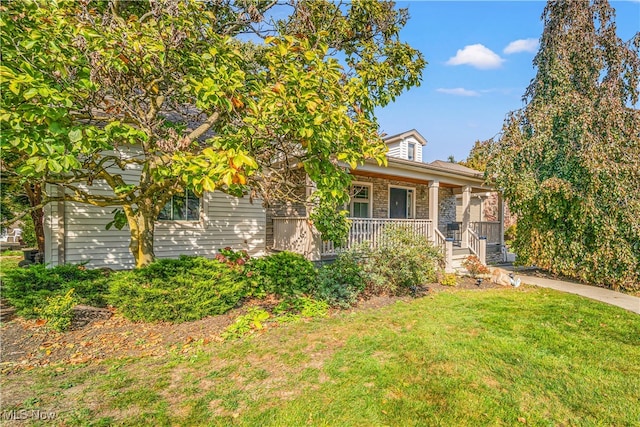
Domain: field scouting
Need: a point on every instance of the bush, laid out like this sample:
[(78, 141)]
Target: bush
[(178, 290), (29, 232), (448, 279), (402, 260), (340, 282), (474, 266), (27, 289), (283, 274), (58, 311), (510, 234)]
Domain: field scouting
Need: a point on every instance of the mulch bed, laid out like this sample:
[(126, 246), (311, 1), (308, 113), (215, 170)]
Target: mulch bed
[(99, 334)]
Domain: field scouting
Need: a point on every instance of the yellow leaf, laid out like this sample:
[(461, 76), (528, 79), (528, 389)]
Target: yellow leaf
[(227, 178), (208, 184)]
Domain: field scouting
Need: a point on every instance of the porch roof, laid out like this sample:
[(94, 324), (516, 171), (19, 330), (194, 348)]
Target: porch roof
[(446, 174)]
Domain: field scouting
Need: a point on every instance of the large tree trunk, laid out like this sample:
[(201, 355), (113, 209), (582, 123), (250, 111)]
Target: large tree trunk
[(142, 226), (34, 193)]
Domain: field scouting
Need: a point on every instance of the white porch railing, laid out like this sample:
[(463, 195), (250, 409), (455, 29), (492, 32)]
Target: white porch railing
[(438, 238), (296, 234), (478, 246)]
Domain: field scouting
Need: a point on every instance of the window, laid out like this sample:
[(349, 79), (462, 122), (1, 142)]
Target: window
[(411, 151), (360, 206), (181, 207)]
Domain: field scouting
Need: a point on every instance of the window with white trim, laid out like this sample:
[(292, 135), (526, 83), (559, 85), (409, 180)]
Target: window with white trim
[(411, 151), (181, 207), (360, 206)]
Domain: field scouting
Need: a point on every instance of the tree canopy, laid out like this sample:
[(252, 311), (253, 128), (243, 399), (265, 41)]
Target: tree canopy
[(196, 95), (569, 161), (479, 155)]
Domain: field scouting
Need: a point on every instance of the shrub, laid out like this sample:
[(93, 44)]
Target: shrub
[(298, 307), (231, 257), (178, 290), (58, 311), (283, 273), (340, 282), (474, 266), (29, 232), (448, 279), (245, 324), (510, 234), (27, 289), (402, 260)]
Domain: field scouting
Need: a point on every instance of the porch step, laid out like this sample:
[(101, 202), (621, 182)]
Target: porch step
[(458, 257)]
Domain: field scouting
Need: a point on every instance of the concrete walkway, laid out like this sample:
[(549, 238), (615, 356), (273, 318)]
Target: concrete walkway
[(619, 299)]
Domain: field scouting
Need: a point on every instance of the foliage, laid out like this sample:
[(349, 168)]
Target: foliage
[(58, 311), (29, 232), (291, 309), (27, 289), (569, 160), (448, 279), (178, 290), (247, 323), (176, 90), (402, 260), (340, 282), (455, 346), (296, 308), (510, 234), (474, 266), (479, 155), (16, 202), (231, 257), (283, 274)]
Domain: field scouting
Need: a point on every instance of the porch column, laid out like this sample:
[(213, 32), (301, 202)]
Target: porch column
[(433, 206), (466, 215), (501, 218)]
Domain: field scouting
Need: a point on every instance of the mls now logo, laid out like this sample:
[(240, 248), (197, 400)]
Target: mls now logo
[(28, 414)]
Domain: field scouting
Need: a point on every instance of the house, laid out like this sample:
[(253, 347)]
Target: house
[(76, 232), (441, 200), (444, 201)]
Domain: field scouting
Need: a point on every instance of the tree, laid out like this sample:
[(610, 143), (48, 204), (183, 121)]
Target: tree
[(569, 161), (479, 155), (196, 95)]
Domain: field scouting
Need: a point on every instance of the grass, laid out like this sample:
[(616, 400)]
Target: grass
[(9, 260), (495, 357)]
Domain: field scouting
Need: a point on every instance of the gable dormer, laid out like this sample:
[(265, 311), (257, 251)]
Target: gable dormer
[(407, 145)]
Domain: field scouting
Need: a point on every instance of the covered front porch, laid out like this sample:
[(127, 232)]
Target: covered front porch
[(447, 203), (297, 234)]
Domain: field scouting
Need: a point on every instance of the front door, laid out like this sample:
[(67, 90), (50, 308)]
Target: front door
[(400, 203)]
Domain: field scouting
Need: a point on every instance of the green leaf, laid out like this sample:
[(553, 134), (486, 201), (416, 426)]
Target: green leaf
[(30, 93), (75, 136)]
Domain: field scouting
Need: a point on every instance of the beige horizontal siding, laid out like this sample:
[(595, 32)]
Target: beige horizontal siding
[(226, 221)]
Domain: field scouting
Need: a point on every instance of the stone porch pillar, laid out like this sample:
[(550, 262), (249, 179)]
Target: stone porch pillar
[(433, 205), (466, 215)]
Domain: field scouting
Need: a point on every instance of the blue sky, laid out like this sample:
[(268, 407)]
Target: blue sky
[(475, 75)]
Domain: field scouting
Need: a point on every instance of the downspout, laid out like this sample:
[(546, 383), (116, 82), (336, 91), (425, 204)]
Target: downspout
[(62, 233)]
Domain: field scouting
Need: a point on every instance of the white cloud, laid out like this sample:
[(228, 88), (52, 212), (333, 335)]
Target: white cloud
[(459, 91), (522, 45), (477, 56)]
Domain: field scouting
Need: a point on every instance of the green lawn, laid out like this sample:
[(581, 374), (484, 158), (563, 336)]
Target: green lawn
[(9, 260), (496, 357)]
